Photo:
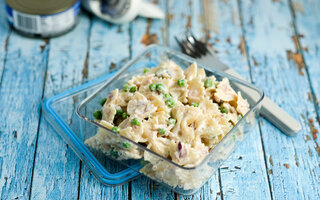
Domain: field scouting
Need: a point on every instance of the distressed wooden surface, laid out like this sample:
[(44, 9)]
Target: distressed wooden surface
[(57, 177), (244, 173), (4, 37), (308, 32), (293, 171), (273, 43), (108, 48)]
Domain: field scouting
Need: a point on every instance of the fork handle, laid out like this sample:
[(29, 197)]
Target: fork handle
[(272, 112)]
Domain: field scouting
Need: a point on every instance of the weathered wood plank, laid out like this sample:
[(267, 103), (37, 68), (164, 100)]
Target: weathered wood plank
[(20, 95), (148, 31), (292, 162), (56, 170), (145, 32), (307, 16), (108, 49), (4, 36), (246, 164)]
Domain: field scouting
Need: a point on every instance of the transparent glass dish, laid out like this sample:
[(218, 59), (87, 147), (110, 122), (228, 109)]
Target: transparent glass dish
[(183, 180)]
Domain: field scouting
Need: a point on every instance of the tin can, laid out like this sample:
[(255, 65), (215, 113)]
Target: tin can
[(38, 18)]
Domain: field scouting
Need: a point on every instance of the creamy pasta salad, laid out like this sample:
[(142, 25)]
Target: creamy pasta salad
[(180, 115)]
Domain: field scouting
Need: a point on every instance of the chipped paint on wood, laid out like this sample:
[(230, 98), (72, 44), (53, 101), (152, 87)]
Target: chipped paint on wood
[(279, 76), (149, 38), (104, 53), (308, 25), (292, 163), (242, 47), (313, 130), (296, 159), (298, 7), (56, 169), (248, 157), (85, 66), (286, 165), (140, 27), (296, 56), (297, 59), (4, 38), (211, 15), (270, 160), (20, 97)]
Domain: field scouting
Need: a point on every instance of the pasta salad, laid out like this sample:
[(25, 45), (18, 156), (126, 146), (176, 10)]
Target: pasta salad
[(180, 115)]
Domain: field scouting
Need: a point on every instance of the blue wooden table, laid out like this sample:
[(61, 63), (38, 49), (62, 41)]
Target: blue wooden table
[(275, 44)]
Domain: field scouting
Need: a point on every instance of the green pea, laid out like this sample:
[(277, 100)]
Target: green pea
[(135, 122), (172, 121), (239, 117), (170, 102), (145, 70), (126, 145), (181, 82), (161, 131), (126, 87), (114, 153), (195, 104), (115, 129), (103, 101), (119, 112), (160, 87), (124, 115), (223, 110), (208, 83), (152, 87), (133, 89), (97, 114), (167, 96)]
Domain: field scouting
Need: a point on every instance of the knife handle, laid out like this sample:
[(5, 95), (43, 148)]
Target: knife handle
[(271, 111)]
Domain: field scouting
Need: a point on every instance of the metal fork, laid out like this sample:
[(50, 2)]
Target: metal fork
[(269, 110)]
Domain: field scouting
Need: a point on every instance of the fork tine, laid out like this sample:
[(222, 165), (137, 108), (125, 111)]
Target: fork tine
[(192, 48), (180, 44), (185, 48), (201, 46)]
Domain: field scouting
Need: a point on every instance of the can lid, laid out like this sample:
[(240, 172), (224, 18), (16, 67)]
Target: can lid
[(40, 7)]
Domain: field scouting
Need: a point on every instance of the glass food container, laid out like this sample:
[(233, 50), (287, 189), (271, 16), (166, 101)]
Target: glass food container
[(183, 180)]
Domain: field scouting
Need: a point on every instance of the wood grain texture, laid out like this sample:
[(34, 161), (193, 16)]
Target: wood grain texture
[(307, 24), (244, 172), (4, 37), (292, 161), (108, 49), (56, 169), (20, 96), (36, 164)]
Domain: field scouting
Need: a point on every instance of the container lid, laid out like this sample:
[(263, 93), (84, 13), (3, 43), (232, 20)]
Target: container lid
[(58, 119), (41, 7)]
